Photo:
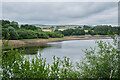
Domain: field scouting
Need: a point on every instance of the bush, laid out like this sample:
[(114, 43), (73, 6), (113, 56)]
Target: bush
[(16, 66), (101, 63)]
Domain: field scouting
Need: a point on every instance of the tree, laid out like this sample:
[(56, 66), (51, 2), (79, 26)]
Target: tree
[(42, 35), (102, 29), (91, 32), (13, 34), (14, 24), (52, 27), (76, 31), (4, 22), (85, 27), (26, 34), (6, 26), (79, 27), (4, 33), (68, 32), (28, 27)]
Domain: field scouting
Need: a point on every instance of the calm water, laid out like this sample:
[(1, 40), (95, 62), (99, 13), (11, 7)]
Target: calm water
[(72, 49)]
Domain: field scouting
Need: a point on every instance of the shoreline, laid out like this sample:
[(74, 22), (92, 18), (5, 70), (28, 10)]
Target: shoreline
[(20, 43)]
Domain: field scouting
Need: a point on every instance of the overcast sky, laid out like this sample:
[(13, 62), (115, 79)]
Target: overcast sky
[(91, 13)]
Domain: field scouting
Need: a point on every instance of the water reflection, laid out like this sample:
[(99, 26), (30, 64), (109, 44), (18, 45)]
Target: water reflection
[(33, 49), (55, 44)]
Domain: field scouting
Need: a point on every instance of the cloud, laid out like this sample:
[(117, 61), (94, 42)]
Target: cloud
[(61, 12), (60, 0)]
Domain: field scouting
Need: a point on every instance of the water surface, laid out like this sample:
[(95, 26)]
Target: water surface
[(73, 49)]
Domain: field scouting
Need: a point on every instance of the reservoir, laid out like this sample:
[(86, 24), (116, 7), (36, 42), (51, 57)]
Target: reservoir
[(73, 49)]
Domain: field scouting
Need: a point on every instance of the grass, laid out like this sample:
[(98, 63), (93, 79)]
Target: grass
[(28, 39), (40, 39), (61, 38)]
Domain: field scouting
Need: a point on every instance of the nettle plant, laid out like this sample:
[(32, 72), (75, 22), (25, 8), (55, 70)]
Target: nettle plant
[(100, 63)]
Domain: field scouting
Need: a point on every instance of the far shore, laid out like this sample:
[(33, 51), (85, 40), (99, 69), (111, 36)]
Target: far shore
[(20, 43)]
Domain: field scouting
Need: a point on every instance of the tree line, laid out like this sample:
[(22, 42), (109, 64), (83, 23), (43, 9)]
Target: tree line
[(31, 32), (25, 31), (96, 30)]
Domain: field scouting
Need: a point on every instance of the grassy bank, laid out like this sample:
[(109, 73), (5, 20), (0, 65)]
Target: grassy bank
[(43, 39)]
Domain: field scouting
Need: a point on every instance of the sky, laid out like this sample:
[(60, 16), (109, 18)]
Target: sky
[(90, 13)]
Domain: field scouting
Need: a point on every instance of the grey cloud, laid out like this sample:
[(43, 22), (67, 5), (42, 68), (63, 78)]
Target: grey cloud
[(61, 13)]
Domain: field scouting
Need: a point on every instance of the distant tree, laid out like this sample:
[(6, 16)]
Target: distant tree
[(91, 32), (14, 24), (6, 26), (4, 22), (42, 35), (78, 31), (27, 34), (28, 27), (85, 27), (4, 33), (13, 34), (52, 27), (56, 30), (102, 29), (115, 30), (79, 27), (68, 32)]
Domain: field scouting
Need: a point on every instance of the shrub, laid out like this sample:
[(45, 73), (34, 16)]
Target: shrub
[(101, 63)]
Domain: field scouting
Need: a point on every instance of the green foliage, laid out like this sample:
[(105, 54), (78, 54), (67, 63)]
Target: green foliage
[(11, 31), (4, 22), (14, 24), (76, 31), (68, 32), (26, 34), (4, 32), (42, 35), (91, 32), (28, 27), (25, 31), (102, 29), (85, 27), (20, 67), (101, 63), (13, 34), (6, 26), (54, 34)]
